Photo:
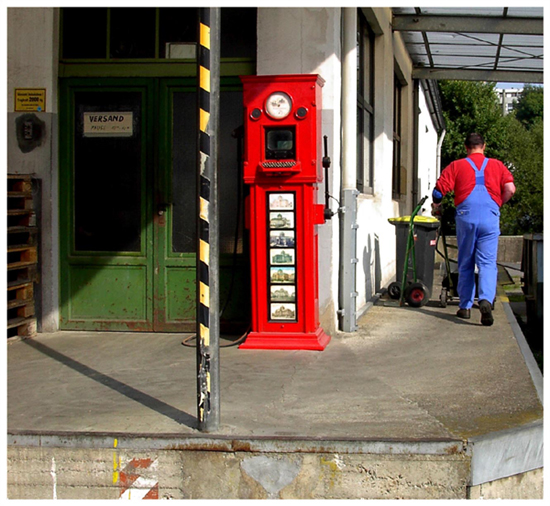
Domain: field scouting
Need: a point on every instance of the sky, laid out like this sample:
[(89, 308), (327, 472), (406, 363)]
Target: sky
[(514, 85)]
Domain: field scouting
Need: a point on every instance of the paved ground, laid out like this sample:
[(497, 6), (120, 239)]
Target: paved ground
[(405, 374)]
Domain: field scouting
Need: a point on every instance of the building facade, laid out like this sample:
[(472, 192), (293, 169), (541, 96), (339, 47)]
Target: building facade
[(116, 158), (507, 97)]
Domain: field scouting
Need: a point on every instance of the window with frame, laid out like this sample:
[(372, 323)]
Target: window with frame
[(365, 105), (397, 189), (151, 33)]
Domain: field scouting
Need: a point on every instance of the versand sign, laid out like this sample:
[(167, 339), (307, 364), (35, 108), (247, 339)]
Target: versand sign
[(108, 124), (30, 99), (282, 165)]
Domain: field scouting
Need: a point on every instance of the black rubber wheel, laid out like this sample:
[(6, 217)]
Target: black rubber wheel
[(394, 290), (417, 295), (443, 298)]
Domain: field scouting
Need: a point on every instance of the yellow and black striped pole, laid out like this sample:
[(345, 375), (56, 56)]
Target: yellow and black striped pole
[(208, 399)]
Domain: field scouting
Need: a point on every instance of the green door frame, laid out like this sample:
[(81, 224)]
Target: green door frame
[(174, 279), (101, 261), (163, 298), (173, 297)]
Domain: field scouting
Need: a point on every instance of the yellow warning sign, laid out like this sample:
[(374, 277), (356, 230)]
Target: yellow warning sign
[(30, 99)]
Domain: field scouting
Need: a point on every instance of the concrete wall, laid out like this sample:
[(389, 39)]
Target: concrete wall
[(32, 63), (87, 473), (427, 153), (307, 41), (67, 473), (527, 485), (510, 249)]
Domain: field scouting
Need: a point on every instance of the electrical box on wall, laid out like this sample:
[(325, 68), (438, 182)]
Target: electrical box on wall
[(282, 165)]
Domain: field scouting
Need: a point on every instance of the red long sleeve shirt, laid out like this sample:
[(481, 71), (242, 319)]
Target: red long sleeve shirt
[(460, 177)]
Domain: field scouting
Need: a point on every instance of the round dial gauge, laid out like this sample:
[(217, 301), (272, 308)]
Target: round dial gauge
[(278, 105)]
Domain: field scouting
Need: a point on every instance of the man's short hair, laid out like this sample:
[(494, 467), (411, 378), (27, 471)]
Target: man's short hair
[(473, 140)]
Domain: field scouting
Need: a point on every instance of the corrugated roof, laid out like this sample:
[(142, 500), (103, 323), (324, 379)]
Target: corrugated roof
[(486, 43)]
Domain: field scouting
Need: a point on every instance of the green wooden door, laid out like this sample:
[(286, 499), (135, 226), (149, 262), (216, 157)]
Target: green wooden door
[(175, 208), (128, 212)]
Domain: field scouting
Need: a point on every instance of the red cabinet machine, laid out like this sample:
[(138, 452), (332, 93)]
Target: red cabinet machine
[(282, 165)]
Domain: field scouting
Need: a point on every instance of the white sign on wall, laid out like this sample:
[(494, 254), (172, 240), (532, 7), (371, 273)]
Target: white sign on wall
[(108, 124)]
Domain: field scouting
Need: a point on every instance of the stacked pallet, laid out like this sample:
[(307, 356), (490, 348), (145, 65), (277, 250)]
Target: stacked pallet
[(22, 256)]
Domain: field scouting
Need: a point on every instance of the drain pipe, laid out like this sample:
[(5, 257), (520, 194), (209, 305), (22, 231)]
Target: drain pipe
[(434, 107), (438, 156), (349, 98), (416, 137), (347, 297)]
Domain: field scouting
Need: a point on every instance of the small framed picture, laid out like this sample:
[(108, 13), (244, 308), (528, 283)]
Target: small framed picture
[(282, 239), (283, 312), (283, 293), (281, 201), (281, 220), (281, 256), (282, 275)]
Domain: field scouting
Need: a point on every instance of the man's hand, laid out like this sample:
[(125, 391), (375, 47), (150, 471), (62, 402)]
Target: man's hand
[(508, 193), (436, 209)]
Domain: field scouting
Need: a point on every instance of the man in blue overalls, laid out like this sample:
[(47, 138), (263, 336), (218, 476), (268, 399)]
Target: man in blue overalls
[(481, 186)]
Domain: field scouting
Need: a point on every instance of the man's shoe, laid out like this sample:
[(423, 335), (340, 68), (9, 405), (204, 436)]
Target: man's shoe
[(486, 313), (463, 313)]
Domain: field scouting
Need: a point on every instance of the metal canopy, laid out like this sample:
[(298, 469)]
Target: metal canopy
[(503, 44)]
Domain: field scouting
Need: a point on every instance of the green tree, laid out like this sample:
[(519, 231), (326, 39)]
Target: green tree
[(517, 141), (471, 106), (525, 212), (530, 106)]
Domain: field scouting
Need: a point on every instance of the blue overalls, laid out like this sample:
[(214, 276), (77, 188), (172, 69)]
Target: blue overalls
[(477, 231)]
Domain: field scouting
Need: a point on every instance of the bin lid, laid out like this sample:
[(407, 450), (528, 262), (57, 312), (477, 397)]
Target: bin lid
[(426, 221)]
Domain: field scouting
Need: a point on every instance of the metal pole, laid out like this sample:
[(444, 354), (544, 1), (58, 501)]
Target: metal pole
[(208, 324), (348, 193)]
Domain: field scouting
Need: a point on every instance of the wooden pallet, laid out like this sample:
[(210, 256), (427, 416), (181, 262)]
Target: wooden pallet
[(22, 252)]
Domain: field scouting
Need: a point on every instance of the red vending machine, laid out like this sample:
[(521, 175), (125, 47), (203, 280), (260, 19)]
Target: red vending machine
[(282, 165)]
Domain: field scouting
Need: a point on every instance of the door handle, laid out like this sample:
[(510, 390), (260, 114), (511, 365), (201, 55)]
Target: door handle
[(163, 207)]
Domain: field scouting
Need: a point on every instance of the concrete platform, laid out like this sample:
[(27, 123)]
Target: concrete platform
[(409, 383)]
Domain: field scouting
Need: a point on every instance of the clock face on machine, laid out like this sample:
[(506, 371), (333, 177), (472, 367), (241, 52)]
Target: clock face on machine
[(278, 105)]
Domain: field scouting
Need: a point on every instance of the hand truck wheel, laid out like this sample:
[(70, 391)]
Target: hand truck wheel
[(394, 290), (443, 298), (417, 295)]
